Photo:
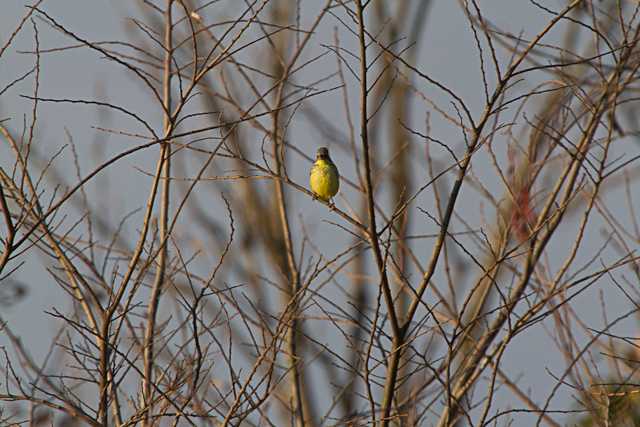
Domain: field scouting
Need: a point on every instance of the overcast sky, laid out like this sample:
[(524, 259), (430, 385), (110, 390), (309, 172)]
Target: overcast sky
[(447, 53)]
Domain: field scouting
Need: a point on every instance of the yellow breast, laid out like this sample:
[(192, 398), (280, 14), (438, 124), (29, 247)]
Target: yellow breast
[(324, 179)]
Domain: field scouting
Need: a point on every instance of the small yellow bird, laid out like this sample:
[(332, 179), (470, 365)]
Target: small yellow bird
[(324, 178)]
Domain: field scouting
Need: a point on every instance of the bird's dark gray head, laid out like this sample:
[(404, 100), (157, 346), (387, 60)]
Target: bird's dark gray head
[(323, 153)]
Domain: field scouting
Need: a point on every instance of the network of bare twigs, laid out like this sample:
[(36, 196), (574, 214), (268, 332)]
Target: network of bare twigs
[(223, 299)]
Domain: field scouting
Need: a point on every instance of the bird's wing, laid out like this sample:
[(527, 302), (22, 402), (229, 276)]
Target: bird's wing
[(335, 169)]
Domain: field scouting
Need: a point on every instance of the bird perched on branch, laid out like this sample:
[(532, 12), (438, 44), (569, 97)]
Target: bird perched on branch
[(324, 178)]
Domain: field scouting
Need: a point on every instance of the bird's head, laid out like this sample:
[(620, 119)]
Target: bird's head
[(322, 154)]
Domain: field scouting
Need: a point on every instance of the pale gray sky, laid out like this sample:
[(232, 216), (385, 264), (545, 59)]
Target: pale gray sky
[(447, 53)]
